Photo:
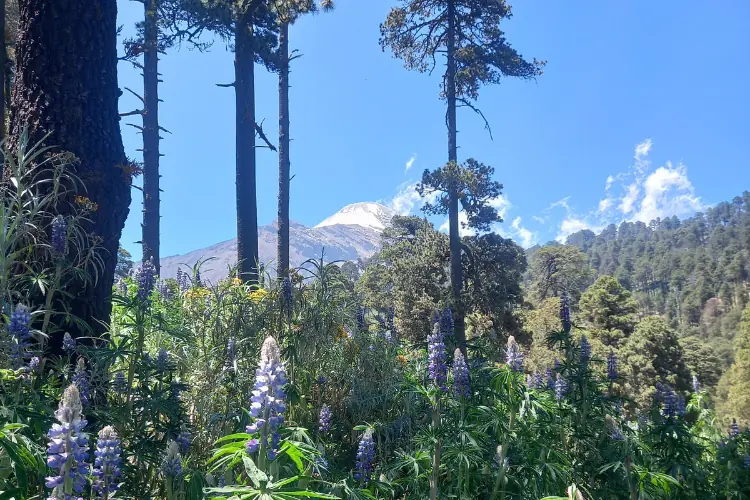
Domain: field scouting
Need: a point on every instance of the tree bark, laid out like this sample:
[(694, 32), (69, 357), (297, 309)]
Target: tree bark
[(284, 165), (151, 190), (247, 209), (454, 236), (66, 85)]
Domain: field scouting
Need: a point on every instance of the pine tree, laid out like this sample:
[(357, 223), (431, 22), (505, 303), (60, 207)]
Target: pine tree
[(287, 13), (736, 382), (66, 86), (251, 28), (608, 306), (477, 53)]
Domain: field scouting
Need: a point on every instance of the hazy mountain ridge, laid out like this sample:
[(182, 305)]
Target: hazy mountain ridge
[(351, 233)]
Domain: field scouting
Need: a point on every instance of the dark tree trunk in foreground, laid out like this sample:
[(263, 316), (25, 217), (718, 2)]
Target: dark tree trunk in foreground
[(151, 214), (66, 85), (3, 63), (284, 165), (247, 209), (455, 238)]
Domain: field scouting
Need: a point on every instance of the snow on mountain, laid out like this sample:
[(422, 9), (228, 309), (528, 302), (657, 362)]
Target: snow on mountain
[(351, 233), (365, 214)]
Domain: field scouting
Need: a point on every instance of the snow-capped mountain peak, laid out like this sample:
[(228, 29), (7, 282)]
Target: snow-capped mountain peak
[(366, 214)]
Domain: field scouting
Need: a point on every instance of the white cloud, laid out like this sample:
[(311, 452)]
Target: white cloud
[(526, 237), (410, 162), (643, 149), (609, 182), (628, 201), (501, 204), (406, 199), (668, 192), (540, 220), (604, 205), (572, 225)]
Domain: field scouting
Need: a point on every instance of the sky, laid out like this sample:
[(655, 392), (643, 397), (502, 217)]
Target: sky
[(643, 111)]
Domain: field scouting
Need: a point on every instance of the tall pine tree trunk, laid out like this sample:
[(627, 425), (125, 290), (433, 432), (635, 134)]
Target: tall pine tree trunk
[(284, 166), (247, 209), (454, 236), (151, 193), (66, 85)]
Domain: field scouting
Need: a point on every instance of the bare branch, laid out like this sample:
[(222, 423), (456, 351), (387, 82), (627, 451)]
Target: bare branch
[(165, 130), (225, 84), (467, 104), (262, 135), (131, 113), (135, 94)]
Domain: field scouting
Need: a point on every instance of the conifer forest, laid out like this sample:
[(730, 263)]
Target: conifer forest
[(451, 363)]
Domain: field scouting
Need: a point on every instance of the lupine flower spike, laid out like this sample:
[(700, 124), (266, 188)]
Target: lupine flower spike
[(565, 313), (561, 387), (734, 429), (585, 350), (267, 405), (365, 458), (436, 356), (106, 469), (612, 366), (461, 387), (324, 422), (446, 322), (513, 355), (81, 381), (68, 343), (183, 441), (20, 334), (67, 448), (59, 234), (146, 278), (171, 466), (696, 385)]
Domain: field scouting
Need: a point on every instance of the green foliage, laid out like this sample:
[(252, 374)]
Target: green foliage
[(737, 379), (557, 270), (653, 354), (608, 306)]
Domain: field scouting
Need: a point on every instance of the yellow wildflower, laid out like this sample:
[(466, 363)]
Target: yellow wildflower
[(236, 281), (402, 359), (258, 294), (86, 204)]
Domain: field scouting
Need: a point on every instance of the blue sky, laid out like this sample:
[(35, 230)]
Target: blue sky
[(643, 111)]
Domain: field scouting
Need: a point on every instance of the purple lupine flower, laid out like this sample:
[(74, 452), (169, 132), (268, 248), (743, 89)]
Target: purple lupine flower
[(59, 234), (322, 380), (529, 381), (162, 361), (513, 355), (120, 383), (550, 376), (146, 278), (614, 430), (268, 397), (565, 313), (361, 319), (585, 352), (669, 404), (324, 421), (461, 387), (680, 405), (746, 461), (20, 334), (183, 441), (34, 363), (538, 381), (81, 381), (67, 448), (171, 466), (390, 324), (106, 469), (68, 343), (436, 356), (164, 290), (561, 387), (365, 458), (182, 280), (696, 385), (612, 366), (198, 280), (381, 322), (446, 322), (734, 429)]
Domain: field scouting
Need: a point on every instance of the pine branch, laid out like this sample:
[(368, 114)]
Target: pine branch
[(135, 94), (467, 104), (262, 135), (131, 113)]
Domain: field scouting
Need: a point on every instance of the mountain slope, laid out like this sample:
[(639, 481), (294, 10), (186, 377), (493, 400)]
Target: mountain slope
[(351, 233)]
